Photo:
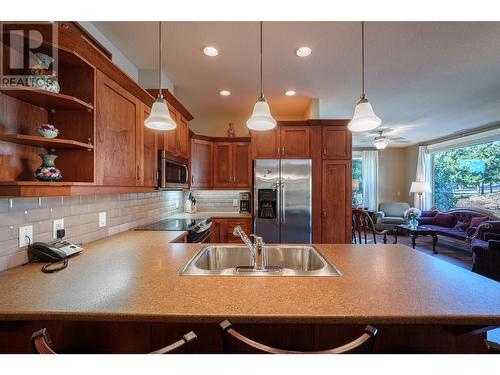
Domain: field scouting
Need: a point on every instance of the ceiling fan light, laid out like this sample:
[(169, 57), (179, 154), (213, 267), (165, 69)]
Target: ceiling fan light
[(261, 118), (381, 142), (159, 118), (364, 118)]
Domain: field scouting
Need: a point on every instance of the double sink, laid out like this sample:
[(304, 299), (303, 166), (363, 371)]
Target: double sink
[(280, 260)]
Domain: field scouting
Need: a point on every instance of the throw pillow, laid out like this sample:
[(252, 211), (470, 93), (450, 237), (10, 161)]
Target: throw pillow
[(429, 213), (443, 220), (475, 221), (461, 226)]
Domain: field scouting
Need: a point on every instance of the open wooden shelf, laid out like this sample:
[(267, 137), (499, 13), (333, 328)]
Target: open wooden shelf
[(63, 188), (38, 141), (46, 99)]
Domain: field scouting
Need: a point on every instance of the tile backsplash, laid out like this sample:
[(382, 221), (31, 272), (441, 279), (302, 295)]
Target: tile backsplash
[(215, 200), (81, 218)]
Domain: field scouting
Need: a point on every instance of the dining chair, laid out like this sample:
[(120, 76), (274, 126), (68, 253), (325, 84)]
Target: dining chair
[(42, 344), (236, 343), (362, 223)]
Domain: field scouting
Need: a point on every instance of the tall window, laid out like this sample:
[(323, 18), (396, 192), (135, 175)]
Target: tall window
[(357, 181), (468, 176)]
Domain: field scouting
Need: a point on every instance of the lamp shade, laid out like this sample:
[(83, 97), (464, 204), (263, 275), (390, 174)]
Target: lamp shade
[(364, 118), (261, 118), (159, 118), (420, 187)]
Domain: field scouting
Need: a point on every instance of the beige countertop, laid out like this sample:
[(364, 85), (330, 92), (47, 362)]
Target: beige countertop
[(204, 214), (134, 276)]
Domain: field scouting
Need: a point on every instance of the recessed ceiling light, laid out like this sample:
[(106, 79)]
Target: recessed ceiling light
[(303, 51), (290, 93), (225, 92), (210, 51)]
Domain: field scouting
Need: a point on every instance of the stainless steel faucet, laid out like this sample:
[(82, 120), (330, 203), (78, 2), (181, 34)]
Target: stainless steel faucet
[(256, 248)]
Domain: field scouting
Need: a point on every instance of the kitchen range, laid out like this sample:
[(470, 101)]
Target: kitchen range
[(199, 230)]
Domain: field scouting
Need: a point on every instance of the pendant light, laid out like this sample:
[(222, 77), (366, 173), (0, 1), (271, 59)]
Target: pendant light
[(261, 118), (159, 118), (364, 118)]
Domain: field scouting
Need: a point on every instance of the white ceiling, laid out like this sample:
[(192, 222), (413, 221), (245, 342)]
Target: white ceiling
[(425, 79)]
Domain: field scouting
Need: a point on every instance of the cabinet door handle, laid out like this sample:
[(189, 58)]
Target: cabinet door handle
[(324, 151), (192, 179), (138, 173)]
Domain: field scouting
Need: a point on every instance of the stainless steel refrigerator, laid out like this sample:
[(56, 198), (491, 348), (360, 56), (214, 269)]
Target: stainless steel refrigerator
[(282, 200)]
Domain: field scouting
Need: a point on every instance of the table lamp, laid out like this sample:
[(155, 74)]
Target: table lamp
[(420, 188)]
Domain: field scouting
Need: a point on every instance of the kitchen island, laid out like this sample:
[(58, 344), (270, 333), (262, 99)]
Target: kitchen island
[(131, 280)]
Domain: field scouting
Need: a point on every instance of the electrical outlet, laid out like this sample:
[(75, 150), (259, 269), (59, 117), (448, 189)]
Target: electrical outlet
[(58, 224), (26, 231), (102, 219), (235, 202)]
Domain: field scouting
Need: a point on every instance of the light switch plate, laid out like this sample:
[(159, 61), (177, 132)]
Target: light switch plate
[(102, 219), (58, 224), (176, 205), (235, 202), (23, 232)]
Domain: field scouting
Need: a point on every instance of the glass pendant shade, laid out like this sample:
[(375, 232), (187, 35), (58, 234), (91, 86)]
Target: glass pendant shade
[(261, 118), (159, 118), (364, 118), (380, 142)]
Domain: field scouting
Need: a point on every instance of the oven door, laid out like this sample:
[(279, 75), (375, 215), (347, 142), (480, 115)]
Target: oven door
[(173, 175), (202, 237)]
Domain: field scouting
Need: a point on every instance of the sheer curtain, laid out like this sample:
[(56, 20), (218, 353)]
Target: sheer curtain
[(370, 179), (424, 174)]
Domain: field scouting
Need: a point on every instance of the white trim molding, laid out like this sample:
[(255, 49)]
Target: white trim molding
[(468, 140)]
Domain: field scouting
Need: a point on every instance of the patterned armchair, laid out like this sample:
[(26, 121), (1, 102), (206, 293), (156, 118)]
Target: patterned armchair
[(390, 214), (485, 248)]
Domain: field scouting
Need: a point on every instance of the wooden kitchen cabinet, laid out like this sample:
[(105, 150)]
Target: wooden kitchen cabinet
[(229, 224), (170, 136), (148, 171), (265, 144), (232, 165), (182, 137), (337, 142), (222, 229), (294, 142), (201, 163), (223, 164), (176, 142), (118, 144), (217, 225), (242, 165), (283, 142), (336, 201)]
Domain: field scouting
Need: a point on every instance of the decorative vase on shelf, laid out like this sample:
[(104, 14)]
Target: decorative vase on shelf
[(48, 131), (48, 170)]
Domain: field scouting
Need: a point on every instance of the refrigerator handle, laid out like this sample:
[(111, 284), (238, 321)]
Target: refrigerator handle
[(283, 210), (278, 198)]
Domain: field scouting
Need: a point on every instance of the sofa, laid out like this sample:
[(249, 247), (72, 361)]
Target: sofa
[(485, 248), (390, 214), (458, 224)]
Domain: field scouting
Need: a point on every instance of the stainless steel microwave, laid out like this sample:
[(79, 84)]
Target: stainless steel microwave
[(172, 173)]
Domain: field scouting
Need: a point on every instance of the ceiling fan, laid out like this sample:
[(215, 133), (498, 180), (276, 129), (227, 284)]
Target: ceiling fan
[(381, 141)]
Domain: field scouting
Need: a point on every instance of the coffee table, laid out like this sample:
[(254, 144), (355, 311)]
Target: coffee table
[(414, 233)]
